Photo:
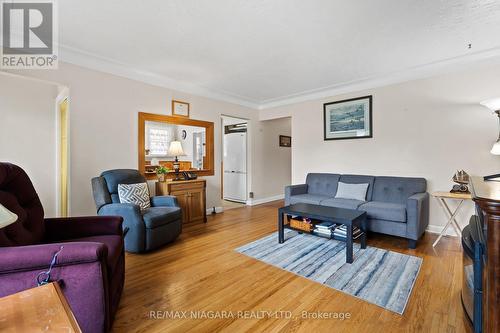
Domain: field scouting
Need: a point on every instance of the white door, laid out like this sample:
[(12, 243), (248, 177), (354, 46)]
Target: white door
[(235, 167)]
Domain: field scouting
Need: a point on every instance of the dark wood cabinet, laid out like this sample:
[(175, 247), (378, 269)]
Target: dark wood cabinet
[(486, 195), (191, 196)]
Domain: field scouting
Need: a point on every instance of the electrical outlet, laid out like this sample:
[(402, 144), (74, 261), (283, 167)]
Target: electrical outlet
[(250, 195)]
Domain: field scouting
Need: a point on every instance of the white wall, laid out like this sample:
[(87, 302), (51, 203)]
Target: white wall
[(28, 133), (425, 128), (103, 121), (274, 163)]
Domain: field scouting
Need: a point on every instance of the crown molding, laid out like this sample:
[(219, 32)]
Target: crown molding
[(92, 61), (409, 74)]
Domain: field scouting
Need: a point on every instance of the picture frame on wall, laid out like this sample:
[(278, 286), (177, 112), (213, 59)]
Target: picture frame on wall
[(180, 109), (285, 141), (348, 119)]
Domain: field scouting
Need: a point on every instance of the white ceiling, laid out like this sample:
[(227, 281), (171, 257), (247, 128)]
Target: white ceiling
[(267, 52)]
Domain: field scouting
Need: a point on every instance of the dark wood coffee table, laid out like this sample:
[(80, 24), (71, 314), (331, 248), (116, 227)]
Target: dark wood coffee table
[(349, 217)]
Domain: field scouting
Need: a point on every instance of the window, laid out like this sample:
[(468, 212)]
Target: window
[(158, 138)]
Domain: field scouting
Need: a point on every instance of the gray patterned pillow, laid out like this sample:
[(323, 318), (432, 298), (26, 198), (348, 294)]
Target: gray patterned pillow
[(137, 194)]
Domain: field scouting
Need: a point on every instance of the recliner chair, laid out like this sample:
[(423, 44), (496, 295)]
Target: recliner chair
[(90, 268), (146, 230)]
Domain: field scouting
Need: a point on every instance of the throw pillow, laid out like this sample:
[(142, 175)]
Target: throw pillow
[(352, 191), (137, 194)]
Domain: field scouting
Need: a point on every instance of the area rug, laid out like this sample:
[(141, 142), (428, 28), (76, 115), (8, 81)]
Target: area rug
[(378, 276)]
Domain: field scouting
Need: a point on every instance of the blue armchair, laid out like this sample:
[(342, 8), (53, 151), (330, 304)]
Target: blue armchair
[(146, 230)]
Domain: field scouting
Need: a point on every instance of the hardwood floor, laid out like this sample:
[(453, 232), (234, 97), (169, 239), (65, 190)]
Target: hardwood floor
[(202, 272)]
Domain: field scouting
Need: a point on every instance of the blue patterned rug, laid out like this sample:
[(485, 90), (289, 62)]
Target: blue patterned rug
[(378, 276)]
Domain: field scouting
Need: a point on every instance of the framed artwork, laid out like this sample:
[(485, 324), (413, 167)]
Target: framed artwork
[(348, 119), (180, 109), (285, 141)]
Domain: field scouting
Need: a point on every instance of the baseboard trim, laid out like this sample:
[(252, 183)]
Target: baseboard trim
[(217, 210), (254, 202), (436, 229)]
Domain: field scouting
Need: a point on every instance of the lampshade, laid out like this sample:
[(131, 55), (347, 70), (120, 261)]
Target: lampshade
[(492, 104), (175, 149), (6, 217), (496, 148)]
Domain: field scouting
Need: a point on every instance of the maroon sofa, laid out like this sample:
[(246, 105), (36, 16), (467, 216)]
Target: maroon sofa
[(90, 268)]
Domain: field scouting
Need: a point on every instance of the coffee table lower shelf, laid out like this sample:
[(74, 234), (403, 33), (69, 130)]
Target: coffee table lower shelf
[(348, 217), (341, 239)]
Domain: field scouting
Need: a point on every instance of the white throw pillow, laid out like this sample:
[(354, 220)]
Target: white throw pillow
[(352, 191), (137, 194)]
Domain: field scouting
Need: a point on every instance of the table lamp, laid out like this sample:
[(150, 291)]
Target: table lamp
[(175, 150), (6, 217), (494, 105)]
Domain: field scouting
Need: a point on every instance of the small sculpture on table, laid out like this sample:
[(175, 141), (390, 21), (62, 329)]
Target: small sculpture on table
[(462, 179)]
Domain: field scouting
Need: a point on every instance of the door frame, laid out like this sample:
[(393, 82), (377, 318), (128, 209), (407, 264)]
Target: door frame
[(247, 182), (63, 205)]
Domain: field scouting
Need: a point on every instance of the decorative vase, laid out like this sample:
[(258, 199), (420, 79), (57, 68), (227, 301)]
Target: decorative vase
[(161, 177)]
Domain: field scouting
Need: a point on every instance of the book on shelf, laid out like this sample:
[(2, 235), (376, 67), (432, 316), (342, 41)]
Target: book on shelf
[(326, 231), (322, 234), (343, 232)]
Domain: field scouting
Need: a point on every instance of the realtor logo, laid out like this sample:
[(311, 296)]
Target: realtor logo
[(29, 33)]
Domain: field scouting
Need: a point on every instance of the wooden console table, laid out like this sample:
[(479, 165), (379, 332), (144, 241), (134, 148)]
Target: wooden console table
[(41, 309), (191, 196), (486, 195)]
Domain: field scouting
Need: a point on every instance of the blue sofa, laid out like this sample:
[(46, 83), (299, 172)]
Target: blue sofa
[(397, 206), (147, 230)]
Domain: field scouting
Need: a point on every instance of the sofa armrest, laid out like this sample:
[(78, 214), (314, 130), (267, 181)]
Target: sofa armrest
[(417, 210), (85, 226), (292, 190), (164, 201), (135, 237), (38, 257)]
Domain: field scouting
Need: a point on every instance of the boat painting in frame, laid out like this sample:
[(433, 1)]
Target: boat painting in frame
[(348, 119)]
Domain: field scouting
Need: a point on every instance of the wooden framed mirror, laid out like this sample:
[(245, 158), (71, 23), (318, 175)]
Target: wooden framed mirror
[(156, 134)]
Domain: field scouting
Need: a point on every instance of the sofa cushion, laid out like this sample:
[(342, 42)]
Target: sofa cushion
[(352, 191), (308, 198), (397, 189), (158, 216), (137, 194), (342, 203), (385, 211), (114, 243), (322, 183), (360, 179)]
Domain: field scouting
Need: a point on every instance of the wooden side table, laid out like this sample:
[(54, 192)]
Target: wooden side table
[(41, 309), (191, 196), (441, 197)]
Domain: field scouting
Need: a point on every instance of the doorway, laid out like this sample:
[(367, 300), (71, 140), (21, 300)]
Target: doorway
[(234, 161)]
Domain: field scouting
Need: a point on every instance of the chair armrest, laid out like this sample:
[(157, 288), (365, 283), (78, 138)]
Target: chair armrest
[(125, 210), (132, 220), (38, 257), (294, 190), (164, 201), (85, 226), (417, 210)]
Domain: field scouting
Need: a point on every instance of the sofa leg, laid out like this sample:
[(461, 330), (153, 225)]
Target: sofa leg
[(412, 244)]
